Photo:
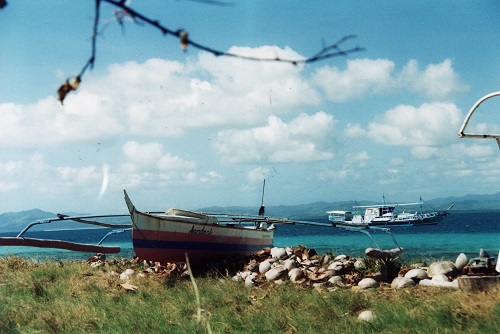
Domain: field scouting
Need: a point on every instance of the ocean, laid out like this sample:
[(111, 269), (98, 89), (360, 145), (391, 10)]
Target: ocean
[(460, 232)]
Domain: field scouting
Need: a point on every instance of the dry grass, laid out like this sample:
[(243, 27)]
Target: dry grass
[(72, 297)]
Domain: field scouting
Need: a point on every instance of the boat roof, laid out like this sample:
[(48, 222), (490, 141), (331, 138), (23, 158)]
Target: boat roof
[(339, 212), (387, 205)]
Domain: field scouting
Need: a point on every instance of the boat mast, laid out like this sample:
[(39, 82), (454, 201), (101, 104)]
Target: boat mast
[(262, 208)]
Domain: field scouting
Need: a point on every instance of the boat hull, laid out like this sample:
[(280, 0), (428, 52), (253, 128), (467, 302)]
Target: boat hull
[(165, 238)]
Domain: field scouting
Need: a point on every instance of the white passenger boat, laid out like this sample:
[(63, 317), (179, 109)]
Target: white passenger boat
[(384, 215)]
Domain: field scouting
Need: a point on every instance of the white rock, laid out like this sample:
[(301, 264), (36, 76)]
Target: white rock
[(289, 251), (96, 264), (264, 266), (440, 278), (249, 281), (278, 252), (254, 266), (359, 264), (336, 280), (417, 274), (366, 315), (124, 277), (326, 259), (442, 268), (402, 282), (290, 264), (450, 285), (237, 278), (497, 267), (295, 274), (337, 266), (384, 254), (275, 273), (340, 257), (461, 262), (367, 283), (244, 274), (319, 285), (129, 272)]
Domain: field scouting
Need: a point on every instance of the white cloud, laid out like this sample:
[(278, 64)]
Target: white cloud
[(361, 76), (378, 76), (455, 152), (305, 139), (151, 157), (162, 98), (437, 81), (428, 125), (211, 177), (258, 174)]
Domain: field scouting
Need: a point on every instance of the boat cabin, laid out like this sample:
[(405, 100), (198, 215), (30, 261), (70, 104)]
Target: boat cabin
[(339, 216), (378, 214)]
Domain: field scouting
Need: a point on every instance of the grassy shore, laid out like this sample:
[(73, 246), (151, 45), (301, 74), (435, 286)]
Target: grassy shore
[(72, 297)]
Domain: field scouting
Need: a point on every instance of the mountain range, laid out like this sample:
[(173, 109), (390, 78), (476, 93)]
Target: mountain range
[(17, 221)]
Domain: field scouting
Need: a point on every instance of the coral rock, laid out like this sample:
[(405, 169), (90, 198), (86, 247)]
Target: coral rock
[(278, 252), (442, 268), (402, 282), (367, 283), (461, 261), (275, 273), (367, 315), (264, 267), (417, 274)]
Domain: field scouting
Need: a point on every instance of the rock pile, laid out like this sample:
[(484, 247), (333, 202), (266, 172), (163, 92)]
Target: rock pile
[(303, 266)]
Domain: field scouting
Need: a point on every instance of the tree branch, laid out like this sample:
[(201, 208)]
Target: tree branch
[(330, 51)]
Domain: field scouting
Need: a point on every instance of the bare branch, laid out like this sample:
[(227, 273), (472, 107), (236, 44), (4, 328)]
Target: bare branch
[(326, 52)]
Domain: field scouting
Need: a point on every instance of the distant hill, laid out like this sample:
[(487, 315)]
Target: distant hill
[(317, 211), (17, 221)]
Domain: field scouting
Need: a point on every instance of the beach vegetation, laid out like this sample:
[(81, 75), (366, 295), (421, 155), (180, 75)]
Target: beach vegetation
[(73, 297)]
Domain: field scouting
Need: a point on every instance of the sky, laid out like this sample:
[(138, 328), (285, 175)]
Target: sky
[(187, 129)]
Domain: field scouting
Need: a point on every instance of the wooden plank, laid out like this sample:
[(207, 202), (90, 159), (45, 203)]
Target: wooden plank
[(60, 244)]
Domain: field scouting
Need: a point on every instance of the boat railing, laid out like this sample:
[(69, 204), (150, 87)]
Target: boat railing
[(463, 134)]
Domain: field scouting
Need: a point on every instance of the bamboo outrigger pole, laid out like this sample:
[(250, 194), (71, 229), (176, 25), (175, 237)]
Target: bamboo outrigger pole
[(19, 240)]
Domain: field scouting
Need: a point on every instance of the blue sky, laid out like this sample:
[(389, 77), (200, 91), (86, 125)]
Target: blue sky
[(191, 130)]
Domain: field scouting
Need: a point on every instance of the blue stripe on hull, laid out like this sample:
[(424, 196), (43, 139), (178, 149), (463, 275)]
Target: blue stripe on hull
[(208, 246)]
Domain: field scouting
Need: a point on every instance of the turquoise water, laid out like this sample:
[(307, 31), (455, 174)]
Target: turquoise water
[(458, 233)]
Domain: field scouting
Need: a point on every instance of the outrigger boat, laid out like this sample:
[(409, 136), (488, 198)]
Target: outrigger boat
[(384, 215), (169, 236)]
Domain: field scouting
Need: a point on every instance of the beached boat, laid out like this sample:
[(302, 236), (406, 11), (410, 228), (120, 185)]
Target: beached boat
[(169, 236), (384, 215)]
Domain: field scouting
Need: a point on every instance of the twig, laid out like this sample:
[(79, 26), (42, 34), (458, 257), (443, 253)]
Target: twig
[(326, 52), (197, 294)]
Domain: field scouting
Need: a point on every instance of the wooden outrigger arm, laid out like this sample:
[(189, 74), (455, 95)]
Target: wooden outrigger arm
[(19, 240), (48, 243), (462, 134)]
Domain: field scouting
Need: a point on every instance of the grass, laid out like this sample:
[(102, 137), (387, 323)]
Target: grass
[(72, 297)]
